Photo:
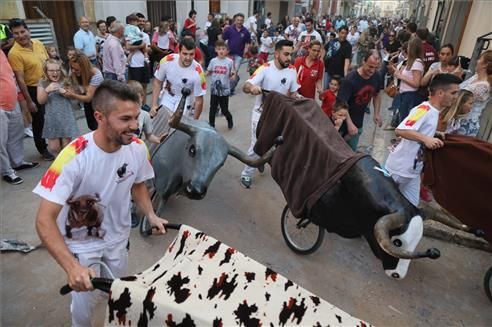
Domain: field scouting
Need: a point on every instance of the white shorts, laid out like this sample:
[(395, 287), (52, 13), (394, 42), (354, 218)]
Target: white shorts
[(83, 303), (409, 187)]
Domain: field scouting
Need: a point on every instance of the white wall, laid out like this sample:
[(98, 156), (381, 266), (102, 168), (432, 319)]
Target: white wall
[(201, 8), (274, 8), (478, 24), (183, 7), (102, 9), (10, 9), (234, 7)]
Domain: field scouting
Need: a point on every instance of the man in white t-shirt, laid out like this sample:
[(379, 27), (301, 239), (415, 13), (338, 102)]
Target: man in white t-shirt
[(405, 161), (276, 75), (252, 26), (305, 38), (178, 71), (84, 215), (293, 31), (138, 69), (208, 23)]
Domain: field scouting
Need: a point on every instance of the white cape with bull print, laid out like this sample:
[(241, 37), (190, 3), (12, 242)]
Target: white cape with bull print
[(203, 282)]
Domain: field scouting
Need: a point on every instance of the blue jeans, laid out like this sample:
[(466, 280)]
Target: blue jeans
[(111, 76), (408, 100), (237, 64), (326, 81), (354, 140)]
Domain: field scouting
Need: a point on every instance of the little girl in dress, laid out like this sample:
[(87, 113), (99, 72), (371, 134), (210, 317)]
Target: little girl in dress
[(60, 126)]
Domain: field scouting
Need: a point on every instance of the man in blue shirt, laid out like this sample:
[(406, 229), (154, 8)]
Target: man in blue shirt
[(237, 36), (85, 41)]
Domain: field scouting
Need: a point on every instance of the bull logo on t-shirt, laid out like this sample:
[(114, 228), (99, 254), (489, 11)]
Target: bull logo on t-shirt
[(85, 212), (283, 81), (364, 95)]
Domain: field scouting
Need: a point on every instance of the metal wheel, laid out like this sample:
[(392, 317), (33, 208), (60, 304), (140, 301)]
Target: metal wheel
[(487, 283), (301, 235), (145, 228)]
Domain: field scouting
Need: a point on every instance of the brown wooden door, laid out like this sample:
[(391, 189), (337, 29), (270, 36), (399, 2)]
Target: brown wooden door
[(159, 9), (214, 6), (64, 21)]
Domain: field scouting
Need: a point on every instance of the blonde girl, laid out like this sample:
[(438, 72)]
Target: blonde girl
[(451, 119), (59, 126)]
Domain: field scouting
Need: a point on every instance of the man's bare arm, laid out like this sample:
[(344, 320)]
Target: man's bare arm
[(19, 76), (198, 107), (141, 196), (156, 89)]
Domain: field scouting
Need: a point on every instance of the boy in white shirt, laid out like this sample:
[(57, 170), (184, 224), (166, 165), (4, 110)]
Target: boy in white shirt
[(405, 161), (266, 46)]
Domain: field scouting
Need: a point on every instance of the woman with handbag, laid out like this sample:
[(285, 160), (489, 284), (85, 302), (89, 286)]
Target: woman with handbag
[(409, 75)]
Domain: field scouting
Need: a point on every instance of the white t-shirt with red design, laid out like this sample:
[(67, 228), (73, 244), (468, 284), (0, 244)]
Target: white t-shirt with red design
[(270, 78), (93, 186), (176, 77), (406, 159)]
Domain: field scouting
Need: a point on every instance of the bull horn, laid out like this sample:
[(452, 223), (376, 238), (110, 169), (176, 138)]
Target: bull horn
[(381, 232), (244, 158), (175, 120)]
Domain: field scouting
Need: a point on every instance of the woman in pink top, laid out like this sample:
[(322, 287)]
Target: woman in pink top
[(409, 75), (161, 42)]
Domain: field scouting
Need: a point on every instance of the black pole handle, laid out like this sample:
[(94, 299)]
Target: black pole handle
[(168, 226), (99, 283)]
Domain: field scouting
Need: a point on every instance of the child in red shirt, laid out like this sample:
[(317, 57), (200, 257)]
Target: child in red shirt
[(329, 96)]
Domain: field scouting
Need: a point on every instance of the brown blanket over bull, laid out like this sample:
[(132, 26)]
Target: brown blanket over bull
[(313, 157), (460, 177)]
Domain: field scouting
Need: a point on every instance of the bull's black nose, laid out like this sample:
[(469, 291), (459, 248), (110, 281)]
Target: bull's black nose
[(195, 191)]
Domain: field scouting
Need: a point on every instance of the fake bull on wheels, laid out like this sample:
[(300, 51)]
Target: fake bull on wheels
[(326, 184), (201, 281), (187, 161)]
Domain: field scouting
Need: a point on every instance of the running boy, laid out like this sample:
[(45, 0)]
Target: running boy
[(221, 68)]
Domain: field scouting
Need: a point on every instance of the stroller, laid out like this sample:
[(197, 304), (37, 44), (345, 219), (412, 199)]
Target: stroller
[(202, 281)]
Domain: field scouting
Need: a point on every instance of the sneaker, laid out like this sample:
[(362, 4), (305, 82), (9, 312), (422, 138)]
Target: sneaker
[(13, 179), (26, 165), (246, 181), (230, 124), (28, 132), (47, 156)]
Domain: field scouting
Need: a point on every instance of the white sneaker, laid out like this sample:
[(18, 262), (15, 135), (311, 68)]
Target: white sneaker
[(28, 132)]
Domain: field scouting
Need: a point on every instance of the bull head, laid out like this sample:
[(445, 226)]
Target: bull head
[(401, 246), (176, 122)]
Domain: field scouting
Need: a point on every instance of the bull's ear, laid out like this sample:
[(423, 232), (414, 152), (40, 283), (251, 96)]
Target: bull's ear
[(70, 200)]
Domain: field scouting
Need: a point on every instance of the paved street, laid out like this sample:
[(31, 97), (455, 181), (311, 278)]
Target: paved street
[(448, 291)]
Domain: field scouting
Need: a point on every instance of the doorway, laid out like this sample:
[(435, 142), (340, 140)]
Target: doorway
[(214, 7), (62, 13)]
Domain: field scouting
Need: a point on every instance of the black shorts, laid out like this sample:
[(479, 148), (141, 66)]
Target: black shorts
[(140, 74)]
